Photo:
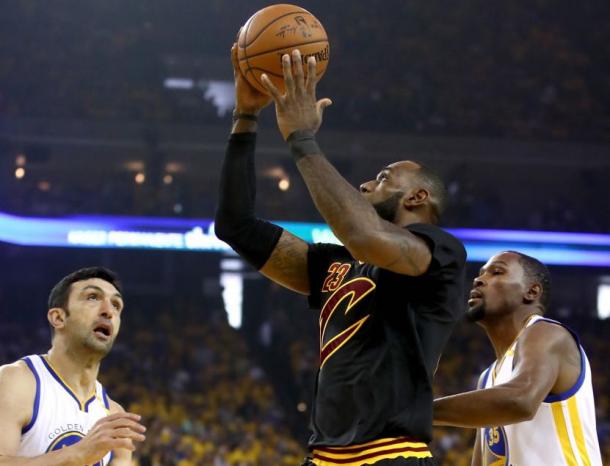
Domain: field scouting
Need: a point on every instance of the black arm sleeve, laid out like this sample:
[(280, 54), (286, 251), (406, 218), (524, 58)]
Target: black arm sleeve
[(235, 223)]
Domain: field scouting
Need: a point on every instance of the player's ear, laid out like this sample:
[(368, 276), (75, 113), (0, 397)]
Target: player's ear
[(57, 317), (415, 197), (533, 293)]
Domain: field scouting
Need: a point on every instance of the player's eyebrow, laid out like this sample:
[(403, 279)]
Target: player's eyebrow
[(97, 288), (482, 269)]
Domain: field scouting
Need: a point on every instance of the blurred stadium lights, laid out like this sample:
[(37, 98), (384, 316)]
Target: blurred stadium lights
[(44, 186), (552, 248), (179, 83), (19, 173), (220, 93), (232, 283), (603, 298)]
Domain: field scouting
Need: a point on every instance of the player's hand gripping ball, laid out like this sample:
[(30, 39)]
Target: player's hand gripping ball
[(273, 32)]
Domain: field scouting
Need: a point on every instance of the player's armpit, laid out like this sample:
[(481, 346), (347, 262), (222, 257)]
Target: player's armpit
[(287, 264), (17, 393), (392, 248)]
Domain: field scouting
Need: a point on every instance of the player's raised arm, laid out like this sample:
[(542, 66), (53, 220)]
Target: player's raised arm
[(353, 219), (278, 254)]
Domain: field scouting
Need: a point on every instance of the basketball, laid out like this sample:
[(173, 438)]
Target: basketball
[(273, 32)]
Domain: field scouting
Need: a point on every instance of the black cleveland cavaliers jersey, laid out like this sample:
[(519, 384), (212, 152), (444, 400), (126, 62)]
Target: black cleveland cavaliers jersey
[(381, 337)]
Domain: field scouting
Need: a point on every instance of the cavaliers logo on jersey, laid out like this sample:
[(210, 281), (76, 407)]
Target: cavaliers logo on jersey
[(67, 439), (350, 293), (495, 447)]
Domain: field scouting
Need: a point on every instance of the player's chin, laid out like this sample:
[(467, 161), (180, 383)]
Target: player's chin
[(476, 310), (102, 348)]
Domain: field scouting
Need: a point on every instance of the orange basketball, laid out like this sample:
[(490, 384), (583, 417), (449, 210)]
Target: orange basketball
[(275, 31)]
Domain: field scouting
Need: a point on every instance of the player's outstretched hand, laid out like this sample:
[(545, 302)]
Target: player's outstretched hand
[(248, 99), (298, 108), (118, 430)]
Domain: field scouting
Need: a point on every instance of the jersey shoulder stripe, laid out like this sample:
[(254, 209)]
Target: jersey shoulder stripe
[(36, 406)]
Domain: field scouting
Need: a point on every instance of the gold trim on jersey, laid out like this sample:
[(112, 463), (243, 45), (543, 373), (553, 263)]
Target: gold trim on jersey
[(83, 404), (578, 431), (562, 431), (511, 349), (370, 452)]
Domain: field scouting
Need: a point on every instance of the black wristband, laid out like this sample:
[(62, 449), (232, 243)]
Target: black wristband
[(244, 116), (303, 143)]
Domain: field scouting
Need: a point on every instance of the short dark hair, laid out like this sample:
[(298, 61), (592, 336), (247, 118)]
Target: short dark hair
[(61, 291), (536, 272), (436, 188)]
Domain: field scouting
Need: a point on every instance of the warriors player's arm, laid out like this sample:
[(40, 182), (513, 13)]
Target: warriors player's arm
[(355, 222), (17, 393), (542, 350), (120, 456)]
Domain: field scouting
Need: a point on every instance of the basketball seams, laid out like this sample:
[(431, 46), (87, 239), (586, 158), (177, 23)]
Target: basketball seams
[(250, 21), (291, 46), (251, 70), (248, 44), (246, 60)]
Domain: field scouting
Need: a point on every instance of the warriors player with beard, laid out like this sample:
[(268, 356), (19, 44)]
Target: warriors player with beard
[(388, 299), (535, 403), (54, 411)]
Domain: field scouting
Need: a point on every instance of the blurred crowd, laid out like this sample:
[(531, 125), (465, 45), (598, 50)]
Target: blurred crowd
[(205, 399), (521, 70), (515, 71), (478, 197)]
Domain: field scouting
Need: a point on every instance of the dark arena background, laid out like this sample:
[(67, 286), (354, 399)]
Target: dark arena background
[(113, 121)]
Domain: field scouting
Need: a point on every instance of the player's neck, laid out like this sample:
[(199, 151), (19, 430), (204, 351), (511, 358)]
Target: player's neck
[(408, 217), (504, 330), (77, 370)]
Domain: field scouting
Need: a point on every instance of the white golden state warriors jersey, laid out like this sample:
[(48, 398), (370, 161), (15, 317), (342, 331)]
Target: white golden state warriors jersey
[(563, 431), (59, 417)]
